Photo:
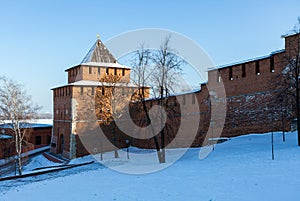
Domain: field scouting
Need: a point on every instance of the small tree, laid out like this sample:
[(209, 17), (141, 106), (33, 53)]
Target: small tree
[(109, 104), (141, 76), (17, 107), (159, 69), (168, 67)]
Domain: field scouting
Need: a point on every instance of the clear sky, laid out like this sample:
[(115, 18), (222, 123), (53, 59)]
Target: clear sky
[(40, 39)]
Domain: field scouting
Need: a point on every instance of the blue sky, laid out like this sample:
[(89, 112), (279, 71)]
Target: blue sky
[(40, 39)]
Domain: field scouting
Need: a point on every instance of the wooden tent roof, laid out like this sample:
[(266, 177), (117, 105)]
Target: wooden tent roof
[(99, 53)]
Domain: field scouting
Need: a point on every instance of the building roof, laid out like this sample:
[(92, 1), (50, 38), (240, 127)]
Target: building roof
[(247, 61), (91, 83), (96, 83), (100, 56), (99, 53), (291, 33), (27, 125), (102, 64), (5, 137)]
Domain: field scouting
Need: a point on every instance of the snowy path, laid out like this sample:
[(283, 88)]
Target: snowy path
[(7, 185), (238, 170)]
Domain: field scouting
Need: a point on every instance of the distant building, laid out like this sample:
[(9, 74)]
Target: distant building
[(39, 135)]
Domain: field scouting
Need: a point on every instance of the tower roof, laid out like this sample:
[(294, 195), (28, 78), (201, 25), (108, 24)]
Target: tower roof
[(99, 53)]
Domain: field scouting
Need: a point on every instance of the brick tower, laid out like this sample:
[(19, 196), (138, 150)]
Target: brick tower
[(71, 102)]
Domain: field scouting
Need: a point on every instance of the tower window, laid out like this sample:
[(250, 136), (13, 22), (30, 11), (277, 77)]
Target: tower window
[(115, 71), (81, 90), (123, 72), (48, 139), (218, 76), (90, 70), (38, 140), (257, 70), (99, 70), (243, 70), (230, 73), (106, 71), (93, 90), (272, 70), (103, 92)]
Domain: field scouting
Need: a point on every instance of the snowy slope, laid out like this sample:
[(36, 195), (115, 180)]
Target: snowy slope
[(240, 169)]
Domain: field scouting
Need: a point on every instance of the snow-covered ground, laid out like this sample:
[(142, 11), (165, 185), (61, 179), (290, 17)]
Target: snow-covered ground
[(36, 121), (240, 169)]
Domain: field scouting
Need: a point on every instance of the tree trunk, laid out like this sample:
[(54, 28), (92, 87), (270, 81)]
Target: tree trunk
[(19, 150), (157, 149), (149, 122), (163, 152), (297, 105), (19, 164), (283, 127), (18, 145), (115, 140), (298, 116)]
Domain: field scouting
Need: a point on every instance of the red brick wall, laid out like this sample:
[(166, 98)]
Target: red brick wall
[(74, 110), (94, 73), (62, 114), (44, 133), (252, 106), (252, 99), (7, 148)]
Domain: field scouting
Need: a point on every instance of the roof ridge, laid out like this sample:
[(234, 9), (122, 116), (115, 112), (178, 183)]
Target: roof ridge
[(99, 53)]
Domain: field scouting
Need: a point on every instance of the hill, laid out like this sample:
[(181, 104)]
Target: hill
[(240, 169)]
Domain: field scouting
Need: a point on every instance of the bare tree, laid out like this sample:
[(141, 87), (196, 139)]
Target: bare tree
[(289, 82), (168, 65), (141, 76), (111, 101), (17, 107), (159, 69)]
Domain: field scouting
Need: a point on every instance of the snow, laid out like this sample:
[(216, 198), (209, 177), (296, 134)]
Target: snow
[(35, 121), (239, 169), (4, 137), (102, 64), (249, 60), (38, 162), (26, 125), (97, 83), (29, 153), (43, 121)]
